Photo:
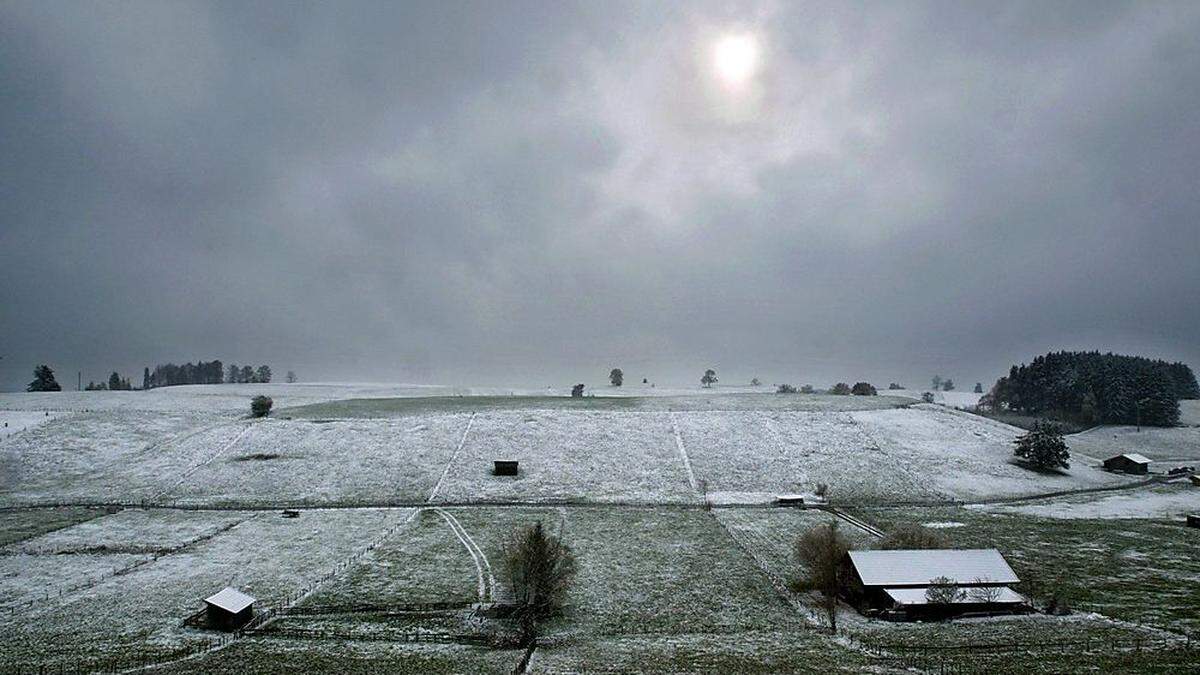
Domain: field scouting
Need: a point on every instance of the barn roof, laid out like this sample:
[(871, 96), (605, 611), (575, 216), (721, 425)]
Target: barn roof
[(916, 596), (1135, 457), (918, 567), (230, 600)]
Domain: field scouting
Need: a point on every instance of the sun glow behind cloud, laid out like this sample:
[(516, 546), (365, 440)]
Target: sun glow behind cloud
[(736, 59)]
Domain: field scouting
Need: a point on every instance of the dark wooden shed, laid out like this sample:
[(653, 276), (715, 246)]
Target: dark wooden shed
[(1130, 462), (228, 610), (505, 467)]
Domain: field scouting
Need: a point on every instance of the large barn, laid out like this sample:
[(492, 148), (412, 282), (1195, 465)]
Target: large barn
[(911, 584)]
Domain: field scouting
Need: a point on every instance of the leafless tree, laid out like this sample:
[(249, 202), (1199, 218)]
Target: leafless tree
[(820, 551), (943, 591)]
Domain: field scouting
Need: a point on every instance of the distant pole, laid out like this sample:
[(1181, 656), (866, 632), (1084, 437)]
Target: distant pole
[(79, 381)]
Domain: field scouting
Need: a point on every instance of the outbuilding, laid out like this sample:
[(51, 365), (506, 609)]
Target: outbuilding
[(1130, 462), (505, 467), (913, 584), (228, 609)]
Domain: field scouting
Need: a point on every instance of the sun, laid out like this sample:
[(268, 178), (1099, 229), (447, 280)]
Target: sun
[(736, 59)]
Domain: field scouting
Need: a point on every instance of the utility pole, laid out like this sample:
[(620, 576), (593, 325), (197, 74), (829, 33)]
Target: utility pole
[(79, 381)]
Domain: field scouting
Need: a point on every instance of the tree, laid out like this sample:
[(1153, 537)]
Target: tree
[(710, 378), (840, 389), (894, 386), (948, 385), (260, 406), (863, 389), (927, 397), (247, 375), (234, 375), (577, 391), (978, 387), (146, 378), (982, 594), (943, 591), (291, 376), (807, 389), (820, 551), (937, 382), (616, 377), (785, 389), (43, 380), (908, 536), (540, 569), (263, 374), (114, 382), (1043, 447), (754, 382)]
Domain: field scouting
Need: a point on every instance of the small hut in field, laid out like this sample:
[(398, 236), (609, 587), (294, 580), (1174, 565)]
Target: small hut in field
[(1130, 462), (229, 609)]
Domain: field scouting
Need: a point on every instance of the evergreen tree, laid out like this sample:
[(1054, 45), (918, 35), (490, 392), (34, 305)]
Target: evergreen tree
[(114, 382), (1043, 447), (978, 387), (263, 374), (43, 380), (146, 378), (948, 385)]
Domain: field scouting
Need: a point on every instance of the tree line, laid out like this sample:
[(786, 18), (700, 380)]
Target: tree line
[(1095, 388), (204, 372)]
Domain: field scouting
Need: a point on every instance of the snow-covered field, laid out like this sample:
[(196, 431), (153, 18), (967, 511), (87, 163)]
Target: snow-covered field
[(656, 582), (1168, 447), (1165, 502)]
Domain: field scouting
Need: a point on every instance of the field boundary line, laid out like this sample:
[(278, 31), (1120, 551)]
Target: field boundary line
[(687, 464), (462, 442)]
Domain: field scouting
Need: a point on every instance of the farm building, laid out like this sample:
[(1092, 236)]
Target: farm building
[(896, 584), (228, 609), (1130, 462)]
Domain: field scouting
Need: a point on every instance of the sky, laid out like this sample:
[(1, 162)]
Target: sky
[(533, 193)]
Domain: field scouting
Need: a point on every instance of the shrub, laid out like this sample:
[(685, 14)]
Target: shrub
[(755, 382), (260, 406), (912, 536), (863, 389), (894, 386), (807, 389), (616, 377), (927, 397), (840, 389), (785, 389), (1043, 447), (709, 379), (577, 391)]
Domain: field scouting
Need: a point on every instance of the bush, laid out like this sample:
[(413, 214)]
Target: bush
[(807, 389), (261, 406), (840, 389), (785, 389), (927, 397), (1043, 447), (863, 389), (577, 391), (911, 536), (616, 377), (894, 386)]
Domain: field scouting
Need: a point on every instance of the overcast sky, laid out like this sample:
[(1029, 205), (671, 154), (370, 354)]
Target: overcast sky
[(532, 193)]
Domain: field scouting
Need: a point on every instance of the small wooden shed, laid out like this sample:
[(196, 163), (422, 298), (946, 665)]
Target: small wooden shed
[(505, 467), (1193, 520), (228, 609), (1130, 462)]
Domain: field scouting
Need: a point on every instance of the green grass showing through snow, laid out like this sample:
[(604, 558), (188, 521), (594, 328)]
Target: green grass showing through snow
[(21, 524)]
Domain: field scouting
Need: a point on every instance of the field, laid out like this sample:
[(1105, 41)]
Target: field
[(119, 511)]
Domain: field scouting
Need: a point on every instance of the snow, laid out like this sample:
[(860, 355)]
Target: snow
[(1165, 447), (1158, 502)]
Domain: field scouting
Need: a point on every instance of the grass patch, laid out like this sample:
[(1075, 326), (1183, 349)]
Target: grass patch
[(1026, 422), (20, 524)]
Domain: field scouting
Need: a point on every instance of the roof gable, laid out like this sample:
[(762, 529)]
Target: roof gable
[(230, 600), (1135, 457), (918, 567)]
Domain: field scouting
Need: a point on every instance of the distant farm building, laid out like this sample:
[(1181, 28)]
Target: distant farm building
[(229, 609), (1193, 520), (897, 584), (505, 467), (1195, 480), (1130, 462)]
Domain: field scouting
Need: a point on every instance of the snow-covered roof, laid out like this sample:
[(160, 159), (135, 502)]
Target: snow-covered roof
[(1135, 457), (918, 567), (230, 600), (916, 596)]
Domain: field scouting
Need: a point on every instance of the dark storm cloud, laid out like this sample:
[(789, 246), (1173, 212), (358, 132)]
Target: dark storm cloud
[(525, 191)]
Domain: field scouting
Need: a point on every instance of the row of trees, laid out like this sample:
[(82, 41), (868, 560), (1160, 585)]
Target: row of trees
[(115, 383), (1095, 388), (205, 372)]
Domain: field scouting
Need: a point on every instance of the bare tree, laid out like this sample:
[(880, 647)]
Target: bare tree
[(943, 591), (983, 594), (820, 550), (540, 569)]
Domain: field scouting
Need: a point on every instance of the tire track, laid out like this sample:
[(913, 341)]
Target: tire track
[(483, 568), (186, 474), (687, 464), (462, 442)]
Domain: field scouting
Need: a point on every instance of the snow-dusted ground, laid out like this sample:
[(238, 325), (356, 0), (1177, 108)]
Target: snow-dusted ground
[(291, 461), (13, 422), (954, 399), (1168, 447), (1167, 501), (601, 456)]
